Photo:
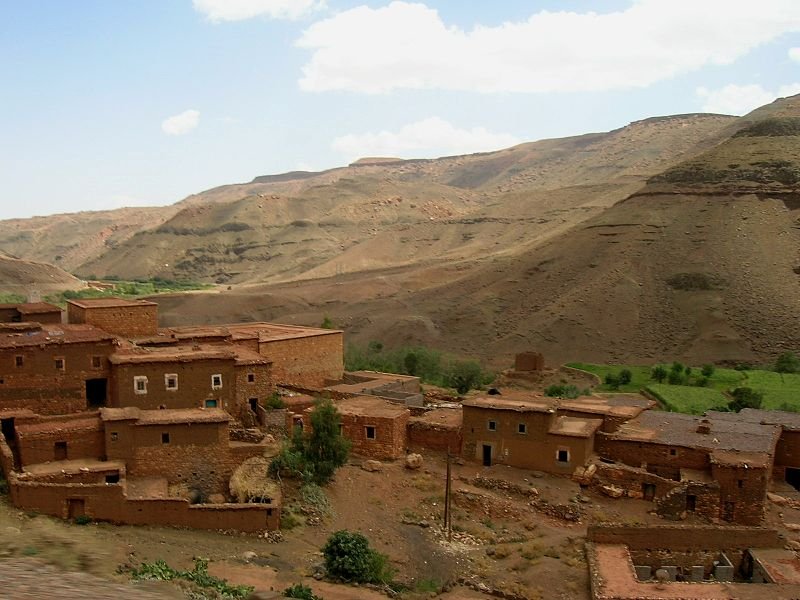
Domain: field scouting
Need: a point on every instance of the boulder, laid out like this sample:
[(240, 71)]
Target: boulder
[(792, 526), (413, 461), (776, 499), (372, 465), (612, 491)]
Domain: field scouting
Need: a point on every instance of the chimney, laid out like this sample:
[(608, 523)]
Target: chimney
[(704, 427)]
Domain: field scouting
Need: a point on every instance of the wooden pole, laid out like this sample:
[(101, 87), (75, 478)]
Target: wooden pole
[(447, 511)]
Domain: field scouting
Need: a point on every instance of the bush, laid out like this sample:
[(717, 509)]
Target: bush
[(701, 381), (787, 363), (707, 370), (275, 401), (745, 397), (675, 377), (464, 375), (82, 520), (326, 323), (348, 557), (625, 376), (612, 381), (563, 391), (677, 367), (301, 592), (161, 571), (658, 373)]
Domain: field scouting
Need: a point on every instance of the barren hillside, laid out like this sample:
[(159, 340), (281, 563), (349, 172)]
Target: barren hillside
[(24, 276)]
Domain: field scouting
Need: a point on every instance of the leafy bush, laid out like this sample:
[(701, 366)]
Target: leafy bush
[(464, 375), (82, 520), (199, 575), (787, 363), (275, 401), (675, 378), (563, 391), (625, 376), (658, 373), (745, 397), (348, 557), (707, 370), (612, 381), (301, 592), (326, 323)]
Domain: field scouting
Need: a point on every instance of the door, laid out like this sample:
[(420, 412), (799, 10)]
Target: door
[(96, 392), (793, 477), (8, 429), (727, 511), (487, 455), (60, 451), (649, 491), (76, 507)]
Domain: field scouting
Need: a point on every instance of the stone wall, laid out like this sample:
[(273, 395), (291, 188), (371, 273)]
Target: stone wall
[(434, 437), (81, 439), (127, 320), (669, 458), (306, 361), (684, 538), (390, 435), (252, 382)]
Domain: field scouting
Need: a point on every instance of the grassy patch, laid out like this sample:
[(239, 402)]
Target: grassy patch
[(199, 576), (686, 399), (128, 289), (781, 390), (640, 375)]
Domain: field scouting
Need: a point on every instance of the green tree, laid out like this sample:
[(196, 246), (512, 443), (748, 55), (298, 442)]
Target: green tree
[(677, 367), (787, 363), (327, 323), (348, 557), (411, 362), (745, 397), (658, 373), (625, 376), (675, 378), (464, 375), (612, 381), (707, 370)]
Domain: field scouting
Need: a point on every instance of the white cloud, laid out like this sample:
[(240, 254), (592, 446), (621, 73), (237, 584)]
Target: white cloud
[(794, 54), (740, 99), (407, 46), (182, 123), (239, 10), (427, 138)]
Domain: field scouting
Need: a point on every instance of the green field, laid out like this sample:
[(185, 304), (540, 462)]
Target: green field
[(781, 390)]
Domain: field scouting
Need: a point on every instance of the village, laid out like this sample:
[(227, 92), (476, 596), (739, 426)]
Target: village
[(107, 417)]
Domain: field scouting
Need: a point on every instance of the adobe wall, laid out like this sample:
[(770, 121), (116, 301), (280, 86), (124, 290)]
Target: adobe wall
[(128, 321), (390, 435), (536, 449), (434, 437), (787, 452), (51, 318), (39, 386), (9, 314), (745, 489), (685, 538), (307, 361), (194, 384), (529, 361), (260, 388), (652, 454), (83, 440)]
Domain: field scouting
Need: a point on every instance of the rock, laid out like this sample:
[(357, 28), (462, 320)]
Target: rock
[(590, 471), (611, 491), (776, 499), (792, 526), (264, 595), (537, 474), (413, 461), (793, 545), (249, 555), (372, 466), (269, 438), (216, 499)]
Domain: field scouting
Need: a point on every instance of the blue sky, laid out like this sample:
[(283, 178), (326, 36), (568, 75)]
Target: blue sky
[(104, 104)]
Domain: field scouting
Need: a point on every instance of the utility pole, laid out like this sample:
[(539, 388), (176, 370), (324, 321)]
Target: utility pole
[(448, 517)]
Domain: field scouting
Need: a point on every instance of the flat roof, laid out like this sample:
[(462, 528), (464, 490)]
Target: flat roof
[(618, 405), (787, 420), (448, 418), (678, 429), (166, 416), (260, 331), (574, 427), (171, 354), (86, 424), (370, 406), (516, 401), (52, 334), (245, 356), (111, 301), (30, 308)]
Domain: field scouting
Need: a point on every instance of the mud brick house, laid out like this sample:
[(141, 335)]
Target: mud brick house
[(54, 368), (124, 318), (375, 427), (39, 312), (523, 430), (716, 467), (132, 466), (438, 429)]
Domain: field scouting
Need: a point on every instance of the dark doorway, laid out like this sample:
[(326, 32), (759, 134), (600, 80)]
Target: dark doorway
[(254, 404), (727, 511), (649, 491), (60, 451), (76, 507), (793, 477), (487, 455), (96, 392), (691, 503), (112, 477), (7, 427)]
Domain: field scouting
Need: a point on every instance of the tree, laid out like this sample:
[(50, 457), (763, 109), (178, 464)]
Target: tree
[(787, 363), (327, 323), (675, 378), (612, 381), (745, 397), (658, 373), (348, 557), (464, 375), (411, 362), (625, 376), (677, 367), (707, 370), (314, 456)]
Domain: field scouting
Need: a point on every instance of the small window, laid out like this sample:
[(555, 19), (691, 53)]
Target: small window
[(59, 362), (251, 378), (97, 362), (19, 361), (522, 428), (140, 384), (216, 381), (112, 478), (740, 483), (211, 403), (370, 432), (165, 438), (673, 452), (171, 381), (563, 456), (492, 425), (114, 436), (341, 429)]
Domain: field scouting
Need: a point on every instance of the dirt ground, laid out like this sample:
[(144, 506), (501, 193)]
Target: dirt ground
[(499, 540)]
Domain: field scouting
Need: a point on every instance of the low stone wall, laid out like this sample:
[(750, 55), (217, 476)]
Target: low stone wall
[(433, 437), (685, 538)]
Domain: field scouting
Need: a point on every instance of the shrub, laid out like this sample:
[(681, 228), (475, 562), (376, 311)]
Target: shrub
[(464, 375), (612, 381), (675, 378), (745, 397), (563, 391), (348, 557), (301, 592), (707, 370), (625, 376), (658, 373), (82, 520), (275, 401), (326, 323), (787, 363), (701, 381), (677, 367)]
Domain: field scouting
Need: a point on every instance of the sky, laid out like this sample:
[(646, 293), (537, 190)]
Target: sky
[(143, 102)]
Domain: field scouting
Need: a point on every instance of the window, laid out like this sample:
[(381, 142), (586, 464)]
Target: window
[(19, 361), (140, 384), (370, 432), (112, 477), (59, 362), (673, 452), (492, 425), (171, 381), (251, 378), (740, 483), (114, 436), (165, 438), (563, 456), (216, 381), (522, 428), (211, 403), (97, 362)]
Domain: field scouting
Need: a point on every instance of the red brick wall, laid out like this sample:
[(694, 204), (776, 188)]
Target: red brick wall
[(48, 317), (194, 384), (390, 435), (124, 321), (307, 361), (38, 385)]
